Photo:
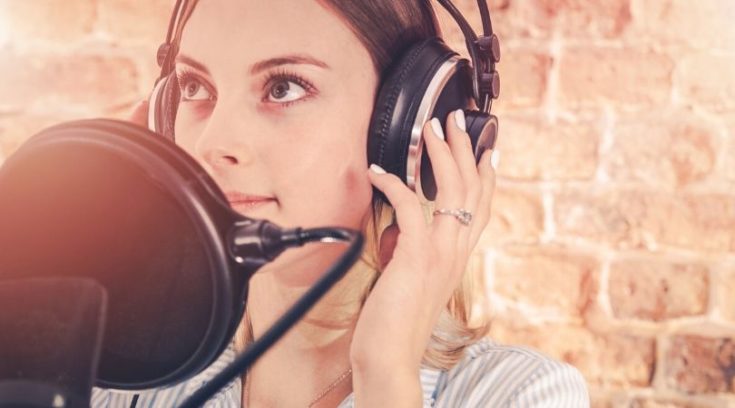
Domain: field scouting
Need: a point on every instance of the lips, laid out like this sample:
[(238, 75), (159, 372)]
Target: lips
[(247, 201)]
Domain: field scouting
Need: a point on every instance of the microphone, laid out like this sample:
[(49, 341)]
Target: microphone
[(114, 203)]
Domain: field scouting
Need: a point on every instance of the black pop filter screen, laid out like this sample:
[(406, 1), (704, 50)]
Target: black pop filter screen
[(85, 210), (55, 340)]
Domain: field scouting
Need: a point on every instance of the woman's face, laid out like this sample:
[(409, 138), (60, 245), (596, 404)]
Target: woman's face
[(276, 98)]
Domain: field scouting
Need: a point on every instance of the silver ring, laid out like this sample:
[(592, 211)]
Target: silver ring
[(461, 214)]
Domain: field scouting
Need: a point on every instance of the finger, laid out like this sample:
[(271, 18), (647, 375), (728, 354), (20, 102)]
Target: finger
[(408, 209), (461, 147), (484, 206), (140, 114), (450, 188)]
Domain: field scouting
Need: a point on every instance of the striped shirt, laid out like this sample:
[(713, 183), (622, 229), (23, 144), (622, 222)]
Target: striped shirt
[(489, 375)]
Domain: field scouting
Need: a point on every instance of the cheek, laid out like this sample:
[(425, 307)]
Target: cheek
[(356, 184), (186, 130), (356, 194), (342, 196)]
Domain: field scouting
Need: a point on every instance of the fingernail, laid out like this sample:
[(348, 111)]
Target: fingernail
[(377, 169), (495, 159), (437, 127), (459, 118)]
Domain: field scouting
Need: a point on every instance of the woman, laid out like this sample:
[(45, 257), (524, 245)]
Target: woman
[(276, 98)]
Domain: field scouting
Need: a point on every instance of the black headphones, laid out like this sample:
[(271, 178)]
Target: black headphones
[(428, 80)]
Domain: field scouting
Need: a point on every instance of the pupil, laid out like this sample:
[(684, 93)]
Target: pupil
[(191, 89), (280, 90)]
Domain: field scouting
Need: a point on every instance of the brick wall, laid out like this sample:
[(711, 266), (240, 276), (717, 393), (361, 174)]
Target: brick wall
[(612, 244)]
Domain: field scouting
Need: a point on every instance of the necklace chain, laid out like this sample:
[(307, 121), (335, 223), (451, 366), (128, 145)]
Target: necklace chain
[(331, 386), (321, 395)]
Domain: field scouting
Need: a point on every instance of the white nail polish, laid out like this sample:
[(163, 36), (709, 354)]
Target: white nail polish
[(437, 127), (459, 118), (377, 169), (495, 159)]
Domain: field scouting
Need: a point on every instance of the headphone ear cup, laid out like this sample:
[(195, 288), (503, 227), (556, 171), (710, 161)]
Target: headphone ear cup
[(169, 104), (415, 86), (385, 124)]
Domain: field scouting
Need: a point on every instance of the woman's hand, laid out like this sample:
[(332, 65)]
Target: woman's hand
[(425, 264)]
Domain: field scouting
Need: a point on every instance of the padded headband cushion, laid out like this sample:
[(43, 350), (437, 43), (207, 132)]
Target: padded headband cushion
[(169, 101), (398, 102)]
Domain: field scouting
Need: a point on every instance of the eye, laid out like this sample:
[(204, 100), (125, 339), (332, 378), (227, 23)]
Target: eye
[(192, 88), (284, 89)]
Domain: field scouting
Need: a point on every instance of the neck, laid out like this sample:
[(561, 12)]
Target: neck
[(316, 350)]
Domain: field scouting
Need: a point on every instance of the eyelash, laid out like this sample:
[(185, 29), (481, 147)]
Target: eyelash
[(288, 76), (273, 78), (186, 75)]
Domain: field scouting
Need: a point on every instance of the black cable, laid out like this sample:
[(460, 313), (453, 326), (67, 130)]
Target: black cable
[(173, 22), (469, 34), (480, 62), (467, 30), (134, 402), (487, 25), (292, 316)]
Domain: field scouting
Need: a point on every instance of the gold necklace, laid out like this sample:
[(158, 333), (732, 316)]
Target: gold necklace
[(313, 402)]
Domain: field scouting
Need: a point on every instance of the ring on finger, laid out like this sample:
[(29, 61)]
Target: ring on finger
[(462, 215)]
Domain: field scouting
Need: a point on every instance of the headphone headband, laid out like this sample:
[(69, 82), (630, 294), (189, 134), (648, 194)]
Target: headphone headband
[(484, 51)]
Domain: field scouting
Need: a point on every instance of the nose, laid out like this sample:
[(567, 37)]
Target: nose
[(218, 157), (224, 141)]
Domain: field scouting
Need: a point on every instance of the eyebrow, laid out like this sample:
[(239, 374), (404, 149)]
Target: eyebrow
[(262, 65)]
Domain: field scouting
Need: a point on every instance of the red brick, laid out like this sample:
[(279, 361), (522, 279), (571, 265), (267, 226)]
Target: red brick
[(582, 19), (706, 80), (47, 20), (52, 82), (606, 359), (700, 364), (645, 220), (594, 76), (523, 77), (666, 403), (135, 22), (656, 290), (517, 216), (728, 153), (15, 130), (599, 401), (725, 291), (536, 277), (668, 149), (513, 19), (533, 149), (704, 24)]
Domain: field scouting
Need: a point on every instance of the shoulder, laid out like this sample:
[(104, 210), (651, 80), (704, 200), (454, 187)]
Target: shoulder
[(496, 375)]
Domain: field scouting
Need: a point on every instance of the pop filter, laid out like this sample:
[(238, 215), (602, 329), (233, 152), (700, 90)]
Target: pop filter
[(114, 202)]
